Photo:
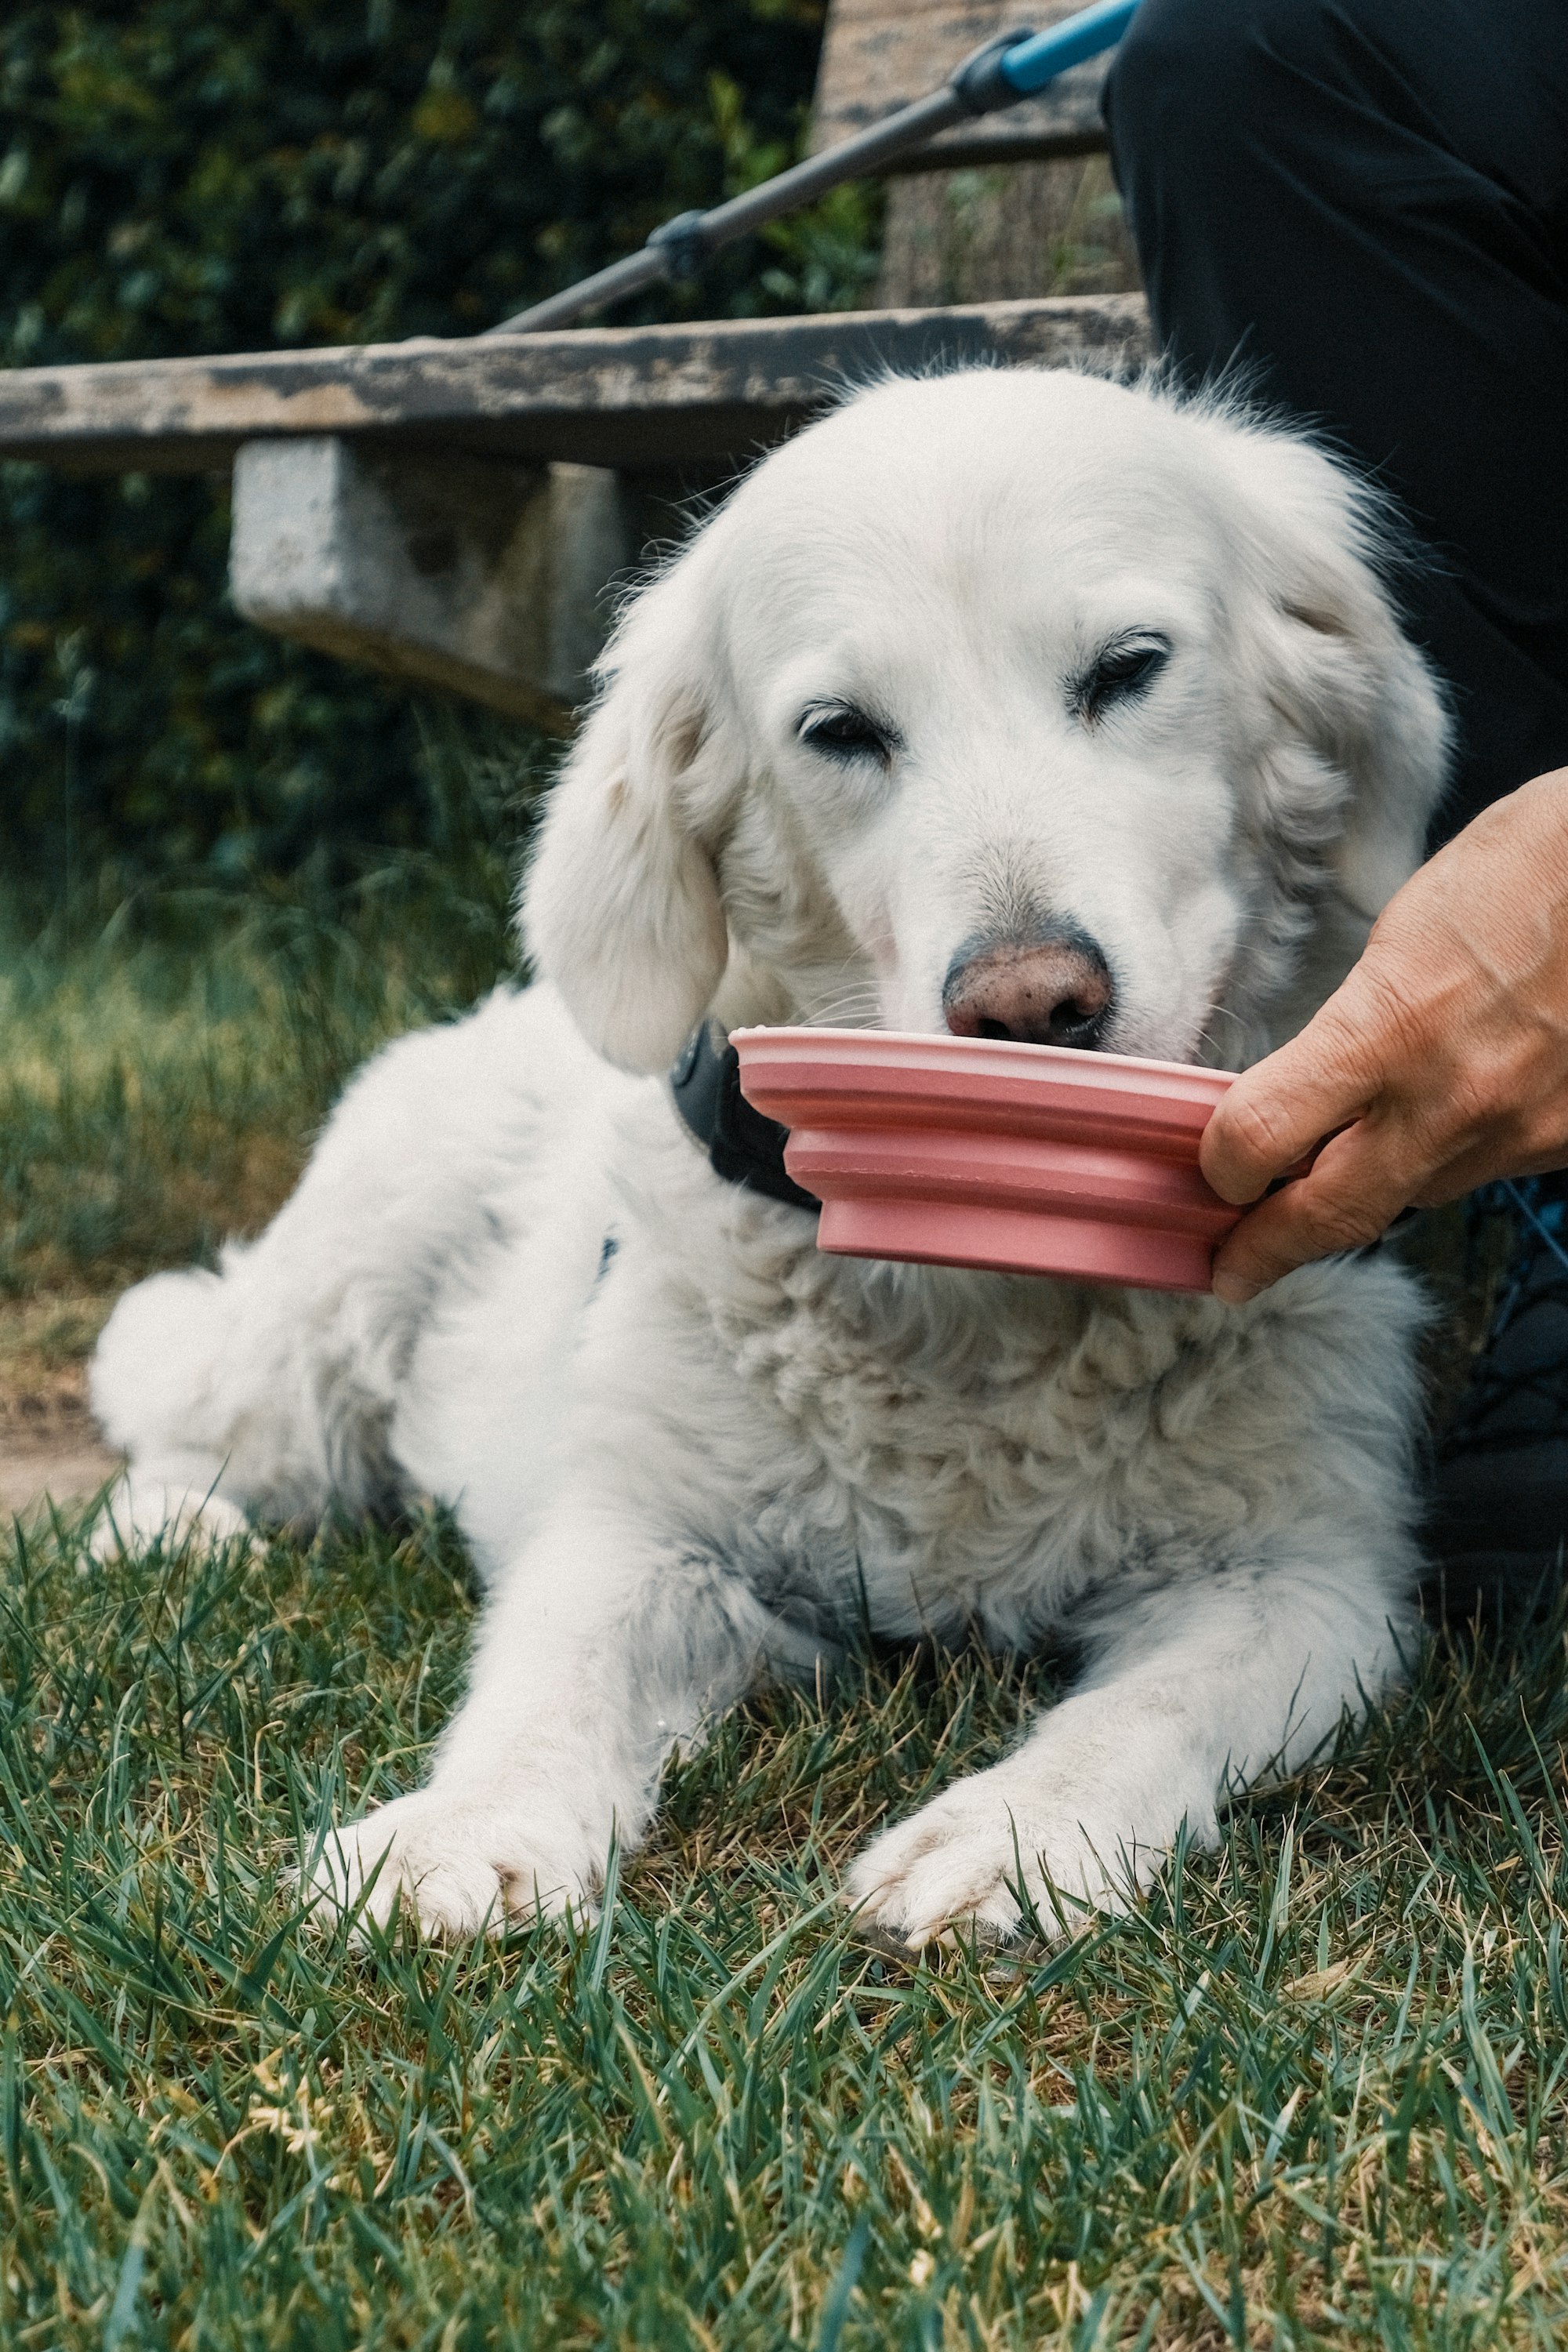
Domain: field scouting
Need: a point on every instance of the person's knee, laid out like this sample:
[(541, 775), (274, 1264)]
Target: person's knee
[(1211, 66), (1181, 64)]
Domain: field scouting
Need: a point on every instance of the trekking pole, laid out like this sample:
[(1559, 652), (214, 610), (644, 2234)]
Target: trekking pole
[(1014, 66)]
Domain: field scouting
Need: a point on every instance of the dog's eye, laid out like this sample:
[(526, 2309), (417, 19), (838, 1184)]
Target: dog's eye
[(841, 733), (1120, 672)]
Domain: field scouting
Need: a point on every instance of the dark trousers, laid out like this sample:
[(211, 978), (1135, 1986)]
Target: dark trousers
[(1363, 206)]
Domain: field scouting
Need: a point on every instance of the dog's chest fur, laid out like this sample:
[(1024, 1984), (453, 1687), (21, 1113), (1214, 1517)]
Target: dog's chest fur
[(955, 1447)]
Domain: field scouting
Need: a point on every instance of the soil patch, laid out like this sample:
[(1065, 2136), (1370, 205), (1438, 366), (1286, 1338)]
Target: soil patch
[(51, 1449)]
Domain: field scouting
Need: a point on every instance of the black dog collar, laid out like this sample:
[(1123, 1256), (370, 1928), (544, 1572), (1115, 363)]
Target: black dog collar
[(742, 1145)]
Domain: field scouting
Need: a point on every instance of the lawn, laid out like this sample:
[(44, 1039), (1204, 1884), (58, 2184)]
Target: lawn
[(1312, 2090)]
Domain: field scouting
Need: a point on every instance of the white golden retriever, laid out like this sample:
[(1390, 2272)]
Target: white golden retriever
[(1024, 703)]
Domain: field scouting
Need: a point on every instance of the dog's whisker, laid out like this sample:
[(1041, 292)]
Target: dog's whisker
[(859, 1001), (857, 1013)]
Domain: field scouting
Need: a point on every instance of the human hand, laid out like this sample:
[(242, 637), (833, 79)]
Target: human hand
[(1440, 1062)]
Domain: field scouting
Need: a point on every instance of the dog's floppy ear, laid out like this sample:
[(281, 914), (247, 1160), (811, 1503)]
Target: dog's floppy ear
[(620, 908), (1339, 667)]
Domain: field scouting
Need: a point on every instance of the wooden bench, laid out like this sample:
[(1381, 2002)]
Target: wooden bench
[(453, 511)]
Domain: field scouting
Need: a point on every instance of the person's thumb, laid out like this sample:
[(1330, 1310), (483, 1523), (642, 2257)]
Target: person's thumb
[(1280, 1110)]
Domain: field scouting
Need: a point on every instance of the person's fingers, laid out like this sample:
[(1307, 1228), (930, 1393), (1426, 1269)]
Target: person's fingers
[(1352, 1193), (1420, 1154), (1277, 1111), (1439, 1062)]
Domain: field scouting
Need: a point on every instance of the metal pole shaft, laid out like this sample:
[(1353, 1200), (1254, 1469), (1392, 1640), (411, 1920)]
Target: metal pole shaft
[(853, 158), (997, 74), (646, 267)]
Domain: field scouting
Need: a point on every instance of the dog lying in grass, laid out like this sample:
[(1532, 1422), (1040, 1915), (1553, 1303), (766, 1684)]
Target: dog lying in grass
[(1023, 702)]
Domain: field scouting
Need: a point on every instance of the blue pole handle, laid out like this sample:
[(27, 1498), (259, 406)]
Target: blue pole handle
[(1036, 59)]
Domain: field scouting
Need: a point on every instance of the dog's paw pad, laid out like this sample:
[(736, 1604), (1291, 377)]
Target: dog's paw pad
[(959, 1864), (461, 1868)]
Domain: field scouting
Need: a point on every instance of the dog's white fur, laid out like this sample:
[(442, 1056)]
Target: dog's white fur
[(697, 1460)]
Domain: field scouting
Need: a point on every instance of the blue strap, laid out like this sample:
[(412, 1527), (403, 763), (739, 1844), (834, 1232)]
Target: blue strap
[(1029, 64), (1528, 1210)]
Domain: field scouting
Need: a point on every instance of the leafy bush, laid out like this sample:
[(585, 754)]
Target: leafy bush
[(201, 176)]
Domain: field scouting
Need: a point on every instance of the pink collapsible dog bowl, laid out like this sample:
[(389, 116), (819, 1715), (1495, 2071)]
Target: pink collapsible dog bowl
[(977, 1152)]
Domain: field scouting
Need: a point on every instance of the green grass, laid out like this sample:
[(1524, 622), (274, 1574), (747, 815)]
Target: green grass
[(161, 1080), (1311, 2091)]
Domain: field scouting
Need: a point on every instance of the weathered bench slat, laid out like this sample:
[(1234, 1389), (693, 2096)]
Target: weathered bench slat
[(639, 398), (878, 55)]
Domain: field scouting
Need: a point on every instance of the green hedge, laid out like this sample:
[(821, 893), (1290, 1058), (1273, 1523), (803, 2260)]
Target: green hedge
[(202, 175)]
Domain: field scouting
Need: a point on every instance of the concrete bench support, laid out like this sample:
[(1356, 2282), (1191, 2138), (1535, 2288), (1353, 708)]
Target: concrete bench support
[(462, 572)]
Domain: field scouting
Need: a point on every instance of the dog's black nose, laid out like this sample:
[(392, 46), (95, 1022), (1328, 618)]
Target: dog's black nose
[(1053, 991)]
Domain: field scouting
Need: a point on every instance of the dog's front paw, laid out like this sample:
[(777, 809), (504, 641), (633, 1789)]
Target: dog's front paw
[(135, 1514), (959, 1863), (459, 1864)]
